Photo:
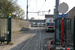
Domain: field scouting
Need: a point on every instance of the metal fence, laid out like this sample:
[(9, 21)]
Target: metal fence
[(68, 31), (5, 29)]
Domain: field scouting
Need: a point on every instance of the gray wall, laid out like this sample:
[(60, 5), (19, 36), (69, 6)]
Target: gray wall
[(19, 25), (71, 13)]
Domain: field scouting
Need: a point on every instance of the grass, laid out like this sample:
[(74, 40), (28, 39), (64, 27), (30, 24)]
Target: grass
[(11, 43)]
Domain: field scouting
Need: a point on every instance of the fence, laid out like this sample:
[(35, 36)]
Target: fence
[(5, 29), (68, 31)]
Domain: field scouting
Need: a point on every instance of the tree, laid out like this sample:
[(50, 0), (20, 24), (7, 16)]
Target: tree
[(6, 7), (19, 12), (32, 18), (10, 6)]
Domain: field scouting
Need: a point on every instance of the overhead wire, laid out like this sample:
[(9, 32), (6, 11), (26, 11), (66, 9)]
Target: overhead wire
[(36, 5), (29, 3), (41, 8), (42, 5)]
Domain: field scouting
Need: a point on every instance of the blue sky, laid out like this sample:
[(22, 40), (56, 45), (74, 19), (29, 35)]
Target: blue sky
[(49, 4)]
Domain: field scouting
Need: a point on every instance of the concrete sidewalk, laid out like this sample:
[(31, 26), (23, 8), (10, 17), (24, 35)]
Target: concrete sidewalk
[(17, 38)]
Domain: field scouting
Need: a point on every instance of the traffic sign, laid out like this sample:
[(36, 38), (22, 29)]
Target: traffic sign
[(63, 15), (63, 7)]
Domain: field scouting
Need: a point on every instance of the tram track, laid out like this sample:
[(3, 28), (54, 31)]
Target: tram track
[(29, 40), (35, 41), (20, 37)]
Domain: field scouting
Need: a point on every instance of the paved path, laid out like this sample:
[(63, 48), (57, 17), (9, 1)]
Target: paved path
[(28, 40)]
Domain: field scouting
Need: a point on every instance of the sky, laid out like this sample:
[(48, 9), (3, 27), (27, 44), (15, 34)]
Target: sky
[(42, 5)]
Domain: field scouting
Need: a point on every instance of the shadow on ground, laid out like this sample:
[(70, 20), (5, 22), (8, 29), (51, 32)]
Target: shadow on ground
[(20, 46), (24, 29), (31, 31)]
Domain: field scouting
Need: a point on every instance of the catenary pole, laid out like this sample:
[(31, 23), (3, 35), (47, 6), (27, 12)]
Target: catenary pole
[(27, 11), (57, 13)]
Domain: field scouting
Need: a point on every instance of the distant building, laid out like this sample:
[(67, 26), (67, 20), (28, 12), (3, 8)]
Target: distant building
[(48, 16), (37, 21)]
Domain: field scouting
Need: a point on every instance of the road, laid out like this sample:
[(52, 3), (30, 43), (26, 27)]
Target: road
[(34, 38)]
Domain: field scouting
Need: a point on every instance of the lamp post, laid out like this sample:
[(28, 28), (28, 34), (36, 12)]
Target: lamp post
[(48, 11)]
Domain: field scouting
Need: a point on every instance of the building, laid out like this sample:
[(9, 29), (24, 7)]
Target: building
[(48, 16)]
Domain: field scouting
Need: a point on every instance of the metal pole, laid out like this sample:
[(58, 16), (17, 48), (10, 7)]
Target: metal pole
[(55, 25), (62, 32), (27, 11), (74, 33), (57, 13), (9, 29)]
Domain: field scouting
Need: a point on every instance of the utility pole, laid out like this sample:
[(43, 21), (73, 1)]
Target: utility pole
[(57, 13), (27, 11)]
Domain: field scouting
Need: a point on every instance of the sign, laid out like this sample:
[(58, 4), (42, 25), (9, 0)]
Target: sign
[(63, 15), (63, 7), (9, 14), (50, 20)]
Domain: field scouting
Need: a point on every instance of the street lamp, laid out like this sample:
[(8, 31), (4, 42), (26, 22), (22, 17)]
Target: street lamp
[(48, 11)]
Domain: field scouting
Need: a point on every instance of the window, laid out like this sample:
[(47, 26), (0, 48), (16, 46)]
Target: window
[(50, 24)]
